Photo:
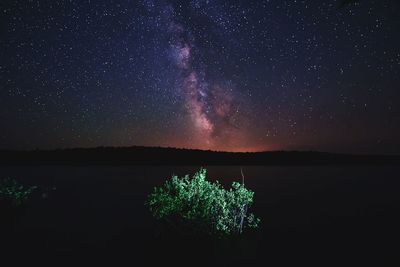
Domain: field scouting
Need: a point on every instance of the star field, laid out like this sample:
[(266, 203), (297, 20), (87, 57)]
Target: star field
[(208, 74)]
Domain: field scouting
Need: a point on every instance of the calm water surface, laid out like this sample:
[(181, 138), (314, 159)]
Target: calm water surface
[(315, 215)]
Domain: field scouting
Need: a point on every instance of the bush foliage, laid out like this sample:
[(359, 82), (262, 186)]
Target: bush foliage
[(13, 192), (204, 203)]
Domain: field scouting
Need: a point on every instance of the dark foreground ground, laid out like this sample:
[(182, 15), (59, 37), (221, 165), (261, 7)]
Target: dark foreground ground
[(311, 216)]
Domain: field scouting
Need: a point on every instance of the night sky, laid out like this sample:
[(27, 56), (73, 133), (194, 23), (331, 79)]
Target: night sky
[(209, 74)]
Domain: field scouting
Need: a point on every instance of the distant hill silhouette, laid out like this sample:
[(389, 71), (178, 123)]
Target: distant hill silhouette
[(138, 155)]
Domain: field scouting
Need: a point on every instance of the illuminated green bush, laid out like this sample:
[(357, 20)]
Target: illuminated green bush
[(13, 192), (204, 204)]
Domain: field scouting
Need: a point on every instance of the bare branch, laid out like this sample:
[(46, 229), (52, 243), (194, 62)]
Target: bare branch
[(241, 171)]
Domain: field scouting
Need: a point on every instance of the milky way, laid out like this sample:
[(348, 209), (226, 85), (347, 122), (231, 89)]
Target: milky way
[(237, 75), (211, 106)]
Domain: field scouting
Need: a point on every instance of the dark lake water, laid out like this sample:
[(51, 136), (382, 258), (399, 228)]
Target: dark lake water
[(323, 215)]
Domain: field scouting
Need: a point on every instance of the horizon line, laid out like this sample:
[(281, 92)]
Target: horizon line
[(189, 149)]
